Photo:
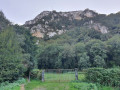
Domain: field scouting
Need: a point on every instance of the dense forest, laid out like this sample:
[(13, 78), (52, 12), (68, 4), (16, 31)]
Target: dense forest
[(79, 47), (17, 53)]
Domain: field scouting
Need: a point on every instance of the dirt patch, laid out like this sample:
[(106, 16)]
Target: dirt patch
[(38, 34), (22, 87)]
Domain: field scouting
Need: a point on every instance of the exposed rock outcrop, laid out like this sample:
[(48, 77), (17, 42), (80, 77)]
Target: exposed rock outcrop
[(55, 23), (97, 26)]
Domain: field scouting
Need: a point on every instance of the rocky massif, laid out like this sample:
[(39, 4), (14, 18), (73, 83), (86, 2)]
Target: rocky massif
[(50, 23)]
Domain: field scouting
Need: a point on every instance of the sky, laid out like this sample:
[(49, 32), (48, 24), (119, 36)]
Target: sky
[(19, 11)]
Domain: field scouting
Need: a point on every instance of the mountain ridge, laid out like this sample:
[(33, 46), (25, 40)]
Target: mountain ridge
[(52, 23)]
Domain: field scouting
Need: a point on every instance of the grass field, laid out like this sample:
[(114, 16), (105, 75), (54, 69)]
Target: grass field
[(38, 85), (66, 77), (13, 88), (63, 82), (16, 88)]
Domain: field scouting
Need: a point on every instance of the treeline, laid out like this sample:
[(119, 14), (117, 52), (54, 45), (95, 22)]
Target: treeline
[(94, 53), (3, 21), (17, 53), (79, 48)]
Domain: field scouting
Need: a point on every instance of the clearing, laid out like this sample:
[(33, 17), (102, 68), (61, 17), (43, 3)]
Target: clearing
[(63, 82)]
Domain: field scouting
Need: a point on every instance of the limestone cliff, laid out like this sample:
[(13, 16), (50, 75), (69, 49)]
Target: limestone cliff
[(54, 23)]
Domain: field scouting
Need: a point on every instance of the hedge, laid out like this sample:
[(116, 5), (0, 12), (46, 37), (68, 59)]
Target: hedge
[(103, 76)]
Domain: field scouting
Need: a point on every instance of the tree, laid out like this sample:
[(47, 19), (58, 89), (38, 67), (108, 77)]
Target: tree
[(113, 46), (96, 48), (98, 61), (27, 42), (83, 61), (58, 64), (48, 56), (3, 21), (67, 56), (11, 57)]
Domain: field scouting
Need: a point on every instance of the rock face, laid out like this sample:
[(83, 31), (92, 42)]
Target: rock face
[(55, 23), (97, 26)]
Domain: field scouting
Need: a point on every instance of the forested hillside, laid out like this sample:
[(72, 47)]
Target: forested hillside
[(17, 51), (80, 47), (85, 41)]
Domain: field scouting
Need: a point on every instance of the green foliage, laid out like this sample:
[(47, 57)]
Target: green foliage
[(48, 55), (36, 74), (3, 21), (84, 86), (97, 52), (12, 86), (67, 57), (114, 50), (57, 83), (11, 67), (27, 43), (90, 86), (81, 48), (17, 53), (33, 84), (98, 61), (84, 61), (103, 76)]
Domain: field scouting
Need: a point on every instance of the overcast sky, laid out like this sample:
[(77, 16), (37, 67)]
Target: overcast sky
[(19, 11)]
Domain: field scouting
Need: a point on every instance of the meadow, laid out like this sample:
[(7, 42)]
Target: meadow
[(57, 81), (64, 81)]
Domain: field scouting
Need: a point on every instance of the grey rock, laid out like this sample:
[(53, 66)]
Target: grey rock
[(44, 23)]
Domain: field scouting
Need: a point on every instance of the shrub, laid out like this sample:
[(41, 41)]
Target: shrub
[(103, 76), (36, 74), (84, 86), (9, 86)]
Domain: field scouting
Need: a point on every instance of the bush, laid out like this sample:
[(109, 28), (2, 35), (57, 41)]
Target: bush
[(36, 74), (9, 86), (103, 76), (84, 86)]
